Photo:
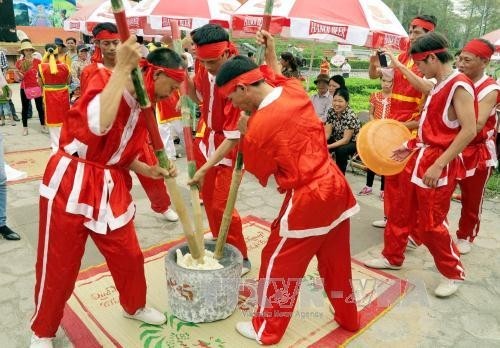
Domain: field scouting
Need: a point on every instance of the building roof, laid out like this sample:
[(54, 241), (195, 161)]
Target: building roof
[(39, 36)]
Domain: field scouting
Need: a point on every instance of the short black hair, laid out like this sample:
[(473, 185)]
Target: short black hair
[(342, 92), (430, 42), (111, 27), (165, 57), (209, 33), (250, 54), (140, 39), (428, 18), (234, 67), (71, 38), (338, 79)]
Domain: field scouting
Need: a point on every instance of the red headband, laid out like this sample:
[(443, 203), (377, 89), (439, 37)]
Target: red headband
[(417, 22), (149, 70), (247, 78), (422, 55), (175, 74), (102, 35), (215, 50), (107, 35), (478, 48)]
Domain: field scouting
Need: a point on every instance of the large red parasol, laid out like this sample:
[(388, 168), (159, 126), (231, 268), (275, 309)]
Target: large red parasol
[(189, 14), (367, 23)]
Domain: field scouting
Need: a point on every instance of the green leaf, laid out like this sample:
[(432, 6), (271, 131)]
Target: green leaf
[(159, 344), (148, 340), (148, 332)]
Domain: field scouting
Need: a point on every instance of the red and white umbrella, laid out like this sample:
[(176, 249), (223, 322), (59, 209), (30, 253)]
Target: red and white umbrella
[(88, 16), (494, 38), (190, 14), (368, 23)]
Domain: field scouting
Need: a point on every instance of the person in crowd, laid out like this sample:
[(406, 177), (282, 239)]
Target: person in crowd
[(284, 129), (5, 231), (100, 139), (76, 71), (322, 100), (479, 157), (342, 127), (143, 48), (4, 65), (380, 108), (169, 123), (54, 77), (215, 151), (72, 51), (30, 89), (62, 52), (324, 67), (335, 82), (408, 94), (5, 98), (189, 60), (447, 125), (346, 69), (289, 66)]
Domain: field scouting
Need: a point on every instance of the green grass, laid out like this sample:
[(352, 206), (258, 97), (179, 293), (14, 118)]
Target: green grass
[(493, 184)]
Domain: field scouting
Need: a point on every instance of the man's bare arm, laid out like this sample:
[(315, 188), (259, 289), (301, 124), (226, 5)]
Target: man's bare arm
[(485, 107), (463, 104)]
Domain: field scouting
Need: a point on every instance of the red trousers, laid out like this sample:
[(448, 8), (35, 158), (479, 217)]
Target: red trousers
[(432, 206), (284, 262), (472, 190), (61, 245), (215, 191), (397, 209), (155, 188)]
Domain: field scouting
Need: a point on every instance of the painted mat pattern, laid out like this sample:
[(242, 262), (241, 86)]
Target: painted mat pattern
[(93, 316), (32, 162)]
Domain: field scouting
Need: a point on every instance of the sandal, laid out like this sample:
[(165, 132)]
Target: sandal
[(25, 131)]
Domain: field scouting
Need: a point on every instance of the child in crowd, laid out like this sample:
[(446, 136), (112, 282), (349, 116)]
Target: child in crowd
[(5, 96), (380, 108)]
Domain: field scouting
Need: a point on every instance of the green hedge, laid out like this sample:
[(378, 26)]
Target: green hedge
[(359, 91)]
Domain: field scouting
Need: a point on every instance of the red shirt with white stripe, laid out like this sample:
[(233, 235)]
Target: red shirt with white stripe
[(285, 138), (219, 115), (481, 152), (91, 169), (436, 131)]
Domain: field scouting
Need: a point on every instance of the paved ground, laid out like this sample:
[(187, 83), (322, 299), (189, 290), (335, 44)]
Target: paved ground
[(471, 317)]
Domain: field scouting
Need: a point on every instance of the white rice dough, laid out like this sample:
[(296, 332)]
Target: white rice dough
[(187, 261)]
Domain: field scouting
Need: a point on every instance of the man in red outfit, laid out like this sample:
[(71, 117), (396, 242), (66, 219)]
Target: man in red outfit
[(408, 94), (104, 57), (480, 156), (447, 125), (285, 138), (215, 152), (85, 190)]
